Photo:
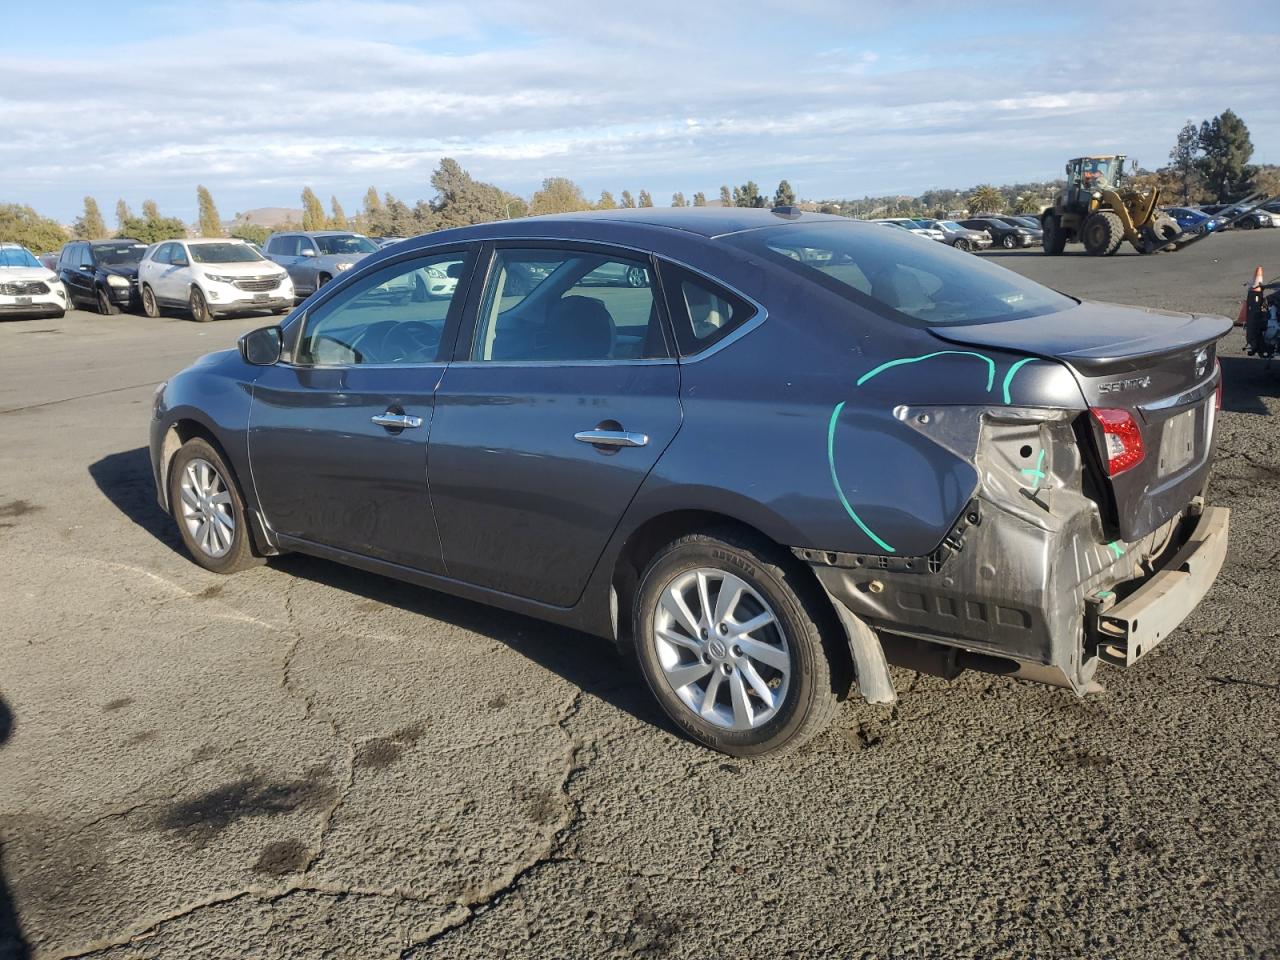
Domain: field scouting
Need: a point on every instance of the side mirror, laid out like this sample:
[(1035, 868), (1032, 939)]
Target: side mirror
[(309, 252), (88, 267), (262, 347)]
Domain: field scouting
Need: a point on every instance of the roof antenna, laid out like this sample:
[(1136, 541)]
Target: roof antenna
[(788, 210)]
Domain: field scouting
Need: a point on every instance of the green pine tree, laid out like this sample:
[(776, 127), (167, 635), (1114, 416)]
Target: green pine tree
[(313, 215)]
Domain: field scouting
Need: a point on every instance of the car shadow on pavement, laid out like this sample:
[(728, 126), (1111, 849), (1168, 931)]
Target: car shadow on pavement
[(13, 946), (1246, 381), (589, 663), (125, 479)]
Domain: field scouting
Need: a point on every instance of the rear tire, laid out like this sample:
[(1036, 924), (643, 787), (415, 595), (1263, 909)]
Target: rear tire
[(149, 305), (206, 505), (1055, 238), (962, 244), (1102, 234), (1009, 241), (1246, 224), (773, 684)]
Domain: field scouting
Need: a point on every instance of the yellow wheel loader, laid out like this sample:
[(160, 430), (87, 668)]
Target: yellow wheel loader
[(1101, 209)]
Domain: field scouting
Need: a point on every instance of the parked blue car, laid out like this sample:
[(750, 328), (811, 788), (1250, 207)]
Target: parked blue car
[(797, 448), (1193, 221)]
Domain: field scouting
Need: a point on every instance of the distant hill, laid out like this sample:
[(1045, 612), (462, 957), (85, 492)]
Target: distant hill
[(266, 217)]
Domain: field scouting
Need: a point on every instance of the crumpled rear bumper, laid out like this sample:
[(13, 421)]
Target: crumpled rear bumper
[(1131, 628)]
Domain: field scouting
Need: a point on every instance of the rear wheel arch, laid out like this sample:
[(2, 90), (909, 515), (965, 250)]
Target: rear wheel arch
[(658, 532)]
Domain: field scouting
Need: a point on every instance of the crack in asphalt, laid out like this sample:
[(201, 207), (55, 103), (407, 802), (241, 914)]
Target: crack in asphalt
[(291, 689), (466, 912), (150, 926)]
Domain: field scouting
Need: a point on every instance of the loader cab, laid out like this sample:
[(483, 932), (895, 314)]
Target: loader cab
[(1096, 173)]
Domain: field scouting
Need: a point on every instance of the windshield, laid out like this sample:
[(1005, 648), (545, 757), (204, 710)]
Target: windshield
[(349, 243), (951, 225), (17, 257), (115, 254), (223, 253), (900, 277)]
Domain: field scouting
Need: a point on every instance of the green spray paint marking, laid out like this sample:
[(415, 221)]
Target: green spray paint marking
[(1008, 377), (1116, 549), (835, 479), (991, 364), (1037, 473), (1103, 594)]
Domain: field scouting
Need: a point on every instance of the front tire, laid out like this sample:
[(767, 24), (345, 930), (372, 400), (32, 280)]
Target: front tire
[(727, 636), (200, 311), (962, 244), (1102, 234), (149, 305), (1009, 241), (105, 306), (209, 511)]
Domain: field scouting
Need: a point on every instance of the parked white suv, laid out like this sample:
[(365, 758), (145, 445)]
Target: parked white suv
[(211, 276), (27, 287)]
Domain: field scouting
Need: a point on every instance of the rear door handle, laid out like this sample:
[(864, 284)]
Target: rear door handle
[(397, 421), (612, 438)]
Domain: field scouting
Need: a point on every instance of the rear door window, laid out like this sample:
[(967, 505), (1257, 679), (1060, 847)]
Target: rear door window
[(554, 305)]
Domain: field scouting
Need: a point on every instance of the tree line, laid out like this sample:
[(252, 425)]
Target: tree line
[(1209, 161)]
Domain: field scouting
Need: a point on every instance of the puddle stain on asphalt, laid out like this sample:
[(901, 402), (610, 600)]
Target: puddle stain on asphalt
[(383, 751), (281, 857), (201, 818), (18, 508)]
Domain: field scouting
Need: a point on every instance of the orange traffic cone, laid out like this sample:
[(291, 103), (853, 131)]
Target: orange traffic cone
[(1244, 304)]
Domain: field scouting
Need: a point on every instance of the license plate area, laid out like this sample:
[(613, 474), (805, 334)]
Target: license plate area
[(1177, 442), (22, 301), (261, 296)]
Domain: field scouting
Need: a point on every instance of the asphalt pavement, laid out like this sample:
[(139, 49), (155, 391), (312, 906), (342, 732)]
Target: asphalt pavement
[(307, 761)]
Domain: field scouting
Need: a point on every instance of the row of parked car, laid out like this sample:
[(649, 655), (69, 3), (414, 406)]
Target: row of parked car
[(204, 276), (976, 233)]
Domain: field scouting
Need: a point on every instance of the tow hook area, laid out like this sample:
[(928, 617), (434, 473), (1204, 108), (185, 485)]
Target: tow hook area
[(1131, 628)]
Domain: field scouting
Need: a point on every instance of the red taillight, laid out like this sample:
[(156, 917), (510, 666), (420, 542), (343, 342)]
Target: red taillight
[(1122, 437), (1217, 390)]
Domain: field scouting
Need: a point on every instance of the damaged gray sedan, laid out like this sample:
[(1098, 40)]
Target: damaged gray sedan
[(796, 449)]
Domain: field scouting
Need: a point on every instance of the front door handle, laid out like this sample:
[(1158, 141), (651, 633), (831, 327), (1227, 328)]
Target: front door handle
[(612, 438), (397, 421)]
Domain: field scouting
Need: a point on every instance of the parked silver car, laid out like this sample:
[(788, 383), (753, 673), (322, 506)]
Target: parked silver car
[(315, 257), (962, 238)]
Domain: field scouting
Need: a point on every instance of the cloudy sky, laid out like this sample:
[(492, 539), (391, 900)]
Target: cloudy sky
[(255, 98)]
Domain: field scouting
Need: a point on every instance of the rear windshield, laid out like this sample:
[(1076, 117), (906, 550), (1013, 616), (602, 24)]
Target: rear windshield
[(903, 276), (223, 253), (17, 257)]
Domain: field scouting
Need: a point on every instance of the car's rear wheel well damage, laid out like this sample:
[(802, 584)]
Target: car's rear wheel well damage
[(657, 532)]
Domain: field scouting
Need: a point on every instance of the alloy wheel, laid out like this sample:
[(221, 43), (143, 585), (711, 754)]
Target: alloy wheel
[(637, 277), (721, 648), (199, 307), (206, 508)]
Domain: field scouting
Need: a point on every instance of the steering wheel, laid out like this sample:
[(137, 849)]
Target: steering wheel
[(414, 340)]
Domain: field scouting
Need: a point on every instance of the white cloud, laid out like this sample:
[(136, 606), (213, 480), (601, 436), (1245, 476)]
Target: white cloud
[(256, 98)]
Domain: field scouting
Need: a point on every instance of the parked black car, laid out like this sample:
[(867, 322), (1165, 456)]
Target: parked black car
[(102, 273), (802, 438), (1008, 235)]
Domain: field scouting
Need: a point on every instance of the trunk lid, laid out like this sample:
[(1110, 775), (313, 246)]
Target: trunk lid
[(1159, 366)]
